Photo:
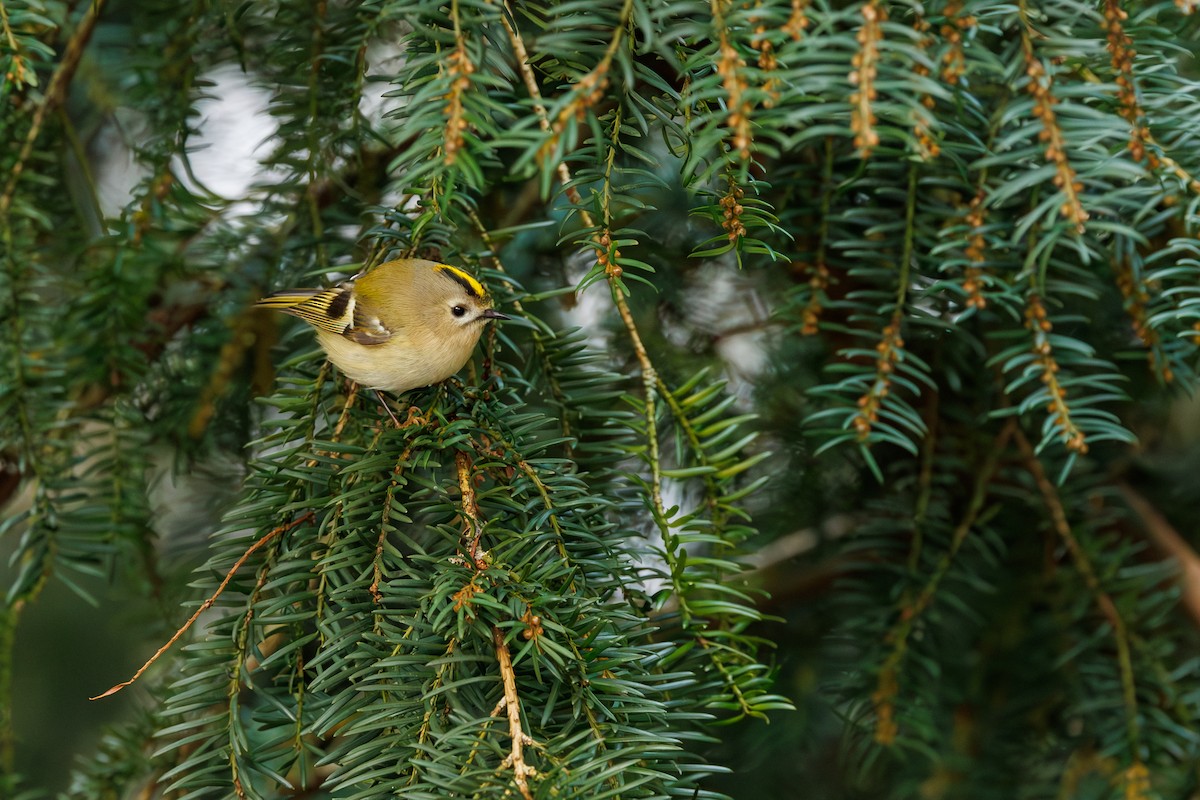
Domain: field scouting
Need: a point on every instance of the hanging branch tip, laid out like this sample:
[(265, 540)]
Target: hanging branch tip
[(207, 604)]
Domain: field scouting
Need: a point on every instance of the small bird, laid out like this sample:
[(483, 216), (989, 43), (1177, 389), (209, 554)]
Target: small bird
[(408, 323)]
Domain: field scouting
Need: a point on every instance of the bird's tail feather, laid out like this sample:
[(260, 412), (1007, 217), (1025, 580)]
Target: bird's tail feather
[(288, 298), (328, 309)]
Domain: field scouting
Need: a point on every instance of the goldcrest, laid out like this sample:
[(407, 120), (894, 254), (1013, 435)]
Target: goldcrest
[(405, 324)]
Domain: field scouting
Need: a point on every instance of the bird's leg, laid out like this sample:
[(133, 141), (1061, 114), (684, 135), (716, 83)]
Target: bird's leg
[(387, 408)]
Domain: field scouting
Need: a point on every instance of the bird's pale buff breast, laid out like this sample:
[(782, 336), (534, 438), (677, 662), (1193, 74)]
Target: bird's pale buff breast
[(395, 365)]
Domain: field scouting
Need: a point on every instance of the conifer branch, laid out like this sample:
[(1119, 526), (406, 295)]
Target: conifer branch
[(886, 728), (927, 146), (385, 522), (1172, 166), (315, 59), (458, 73), (863, 77), (539, 107), (890, 348), (607, 254), (929, 446), (1122, 53), (797, 20), (1037, 320), (539, 339), (975, 251), (1040, 86), (209, 601), (957, 25), (589, 89), (423, 731), (731, 66), (18, 69), (1136, 294), (366, 652), (1058, 518), (818, 271), (522, 772), (56, 93), (473, 525)]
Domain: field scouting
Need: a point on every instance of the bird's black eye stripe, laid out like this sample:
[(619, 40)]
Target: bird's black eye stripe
[(458, 311)]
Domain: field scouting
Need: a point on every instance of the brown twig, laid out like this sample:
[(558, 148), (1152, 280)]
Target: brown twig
[(1168, 541), (512, 703), (466, 485), (207, 604), (863, 78), (612, 271), (731, 67), (535, 94), (345, 415)]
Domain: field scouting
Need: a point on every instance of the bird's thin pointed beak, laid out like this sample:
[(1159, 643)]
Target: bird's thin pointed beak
[(492, 313)]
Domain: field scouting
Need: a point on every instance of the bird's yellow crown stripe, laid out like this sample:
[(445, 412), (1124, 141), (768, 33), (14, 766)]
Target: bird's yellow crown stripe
[(472, 285)]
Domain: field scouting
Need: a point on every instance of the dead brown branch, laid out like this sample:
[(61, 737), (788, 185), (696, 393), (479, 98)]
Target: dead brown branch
[(512, 703), (207, 604)]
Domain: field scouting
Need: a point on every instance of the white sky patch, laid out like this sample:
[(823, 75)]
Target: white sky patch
[(235, 132), (384, 60)]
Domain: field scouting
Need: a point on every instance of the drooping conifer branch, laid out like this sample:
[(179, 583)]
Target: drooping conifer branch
[(1122, 55), (1136, 776), (459, 68), (1037, 320), (1137, 298), (56, 94), (890, 347), (818, 270), (975, 251), (912, 607), (607, 256), (798, 20), (208, 603), (927, 145), (731, 67), (863, 77), (953, 31), (1040, 85)]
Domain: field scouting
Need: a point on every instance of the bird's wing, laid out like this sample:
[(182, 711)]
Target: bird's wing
[(334, 310)]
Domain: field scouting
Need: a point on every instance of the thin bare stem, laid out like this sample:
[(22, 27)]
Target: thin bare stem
[(207, 604), (539, 108)]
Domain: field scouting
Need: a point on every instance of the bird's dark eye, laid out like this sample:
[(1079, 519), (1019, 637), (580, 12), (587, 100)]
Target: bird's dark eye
[(458, 311)]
